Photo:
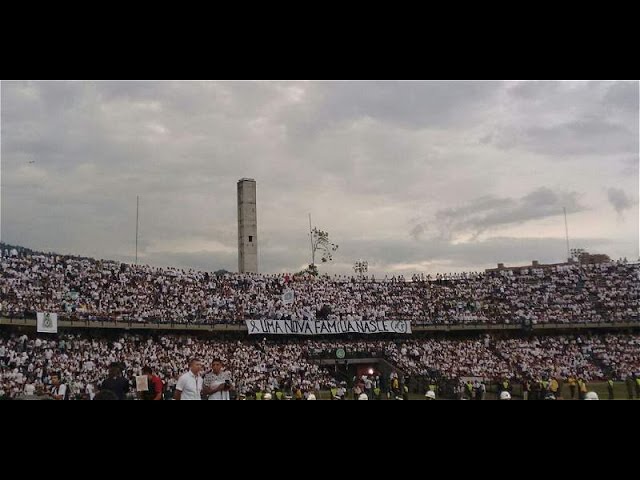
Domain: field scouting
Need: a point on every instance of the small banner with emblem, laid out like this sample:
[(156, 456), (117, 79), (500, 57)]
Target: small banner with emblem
[(288, 297), (47, 322)]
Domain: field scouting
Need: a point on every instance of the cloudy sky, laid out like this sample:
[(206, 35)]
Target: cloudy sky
[(412, 176)]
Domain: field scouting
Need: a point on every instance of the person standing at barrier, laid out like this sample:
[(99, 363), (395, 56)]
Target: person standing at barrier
[(368, 386), (526, 388), (377, 392), (483, 390), (457, 390), (395, 386), (476, 390), (630, 385), (342, 391), (432, 386), (505, 386), (572, 386), (356, 390), (610, 388), (582, 387), (502, 386), (544, 388), (469, 389), (554, 387), (535, 389)]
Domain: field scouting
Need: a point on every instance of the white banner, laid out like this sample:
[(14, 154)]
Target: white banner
[(326, 327), (142, 383), (288, 297), (47, 322)]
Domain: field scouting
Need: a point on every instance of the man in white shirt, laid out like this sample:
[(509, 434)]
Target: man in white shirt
[(58, 390), (217, 383), (189, 385), (91, 391)]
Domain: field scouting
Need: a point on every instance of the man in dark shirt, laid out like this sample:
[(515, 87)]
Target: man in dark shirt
[(116, 382), (630, 386)]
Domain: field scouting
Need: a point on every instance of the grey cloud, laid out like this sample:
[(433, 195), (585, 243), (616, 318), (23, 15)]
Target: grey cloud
[(586, 136), (630, 166), (624, 95), (533, 90), (486, 139), (479, 205), (540, 203), (488, 212), (407, 104), (130, 89), (619, 200), (569, 118), (417, 231)]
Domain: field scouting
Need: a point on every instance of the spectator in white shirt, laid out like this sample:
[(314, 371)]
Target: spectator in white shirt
[(217, 383), (189, 386), (58, 389)]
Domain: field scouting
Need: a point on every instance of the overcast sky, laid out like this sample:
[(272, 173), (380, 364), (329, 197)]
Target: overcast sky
[(412, 176)]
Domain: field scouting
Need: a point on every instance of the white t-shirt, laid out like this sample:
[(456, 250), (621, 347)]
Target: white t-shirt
[(212, 380), (190, 386), (61, 390), (91, 391)]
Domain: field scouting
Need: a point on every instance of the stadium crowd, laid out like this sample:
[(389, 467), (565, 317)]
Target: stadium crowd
[(89, 289), (83, 361)]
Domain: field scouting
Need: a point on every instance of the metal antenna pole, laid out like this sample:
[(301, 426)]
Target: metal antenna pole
[(566, 228), (137, 219), (313, 259)]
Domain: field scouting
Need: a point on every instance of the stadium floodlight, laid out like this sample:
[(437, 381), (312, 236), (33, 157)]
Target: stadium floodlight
[(361, 267), (576, 253)]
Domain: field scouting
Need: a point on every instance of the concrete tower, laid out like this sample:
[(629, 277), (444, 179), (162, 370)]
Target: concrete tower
[(247, 226)]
